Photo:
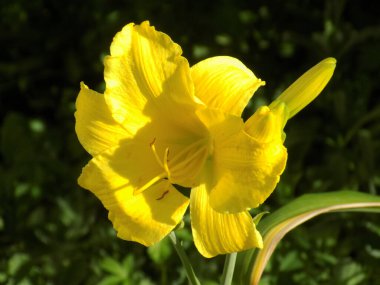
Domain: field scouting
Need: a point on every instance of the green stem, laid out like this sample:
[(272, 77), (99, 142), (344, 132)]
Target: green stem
[(184, 259), (228, 270)]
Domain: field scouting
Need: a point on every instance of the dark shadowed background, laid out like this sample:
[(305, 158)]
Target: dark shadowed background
[(53, 232)]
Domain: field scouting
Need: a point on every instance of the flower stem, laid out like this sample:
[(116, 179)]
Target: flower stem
[(228, 270), (184, 259)]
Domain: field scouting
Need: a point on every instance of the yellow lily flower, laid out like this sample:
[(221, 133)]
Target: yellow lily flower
[(162, 123)]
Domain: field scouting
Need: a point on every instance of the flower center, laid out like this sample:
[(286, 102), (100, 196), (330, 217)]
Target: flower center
[(180, 165)]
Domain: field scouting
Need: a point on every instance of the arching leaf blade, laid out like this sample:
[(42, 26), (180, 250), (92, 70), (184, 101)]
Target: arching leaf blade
[(275, 226)]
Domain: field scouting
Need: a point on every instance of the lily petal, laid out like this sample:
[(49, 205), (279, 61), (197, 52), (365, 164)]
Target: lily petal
[(146, 217), (245, 171), (131, 164), (217, 233), (94, 125), (224, 83), (145, 77), (266, 125), (306, 88)]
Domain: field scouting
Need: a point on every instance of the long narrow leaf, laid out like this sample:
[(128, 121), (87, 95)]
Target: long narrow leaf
[(275, 226)]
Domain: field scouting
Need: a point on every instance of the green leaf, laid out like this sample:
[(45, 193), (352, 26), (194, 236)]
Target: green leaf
[(258, 217), (111, 280), (274, 227), (16, 262), (161, 251), (351, 274), (291, 261), (112, 266)]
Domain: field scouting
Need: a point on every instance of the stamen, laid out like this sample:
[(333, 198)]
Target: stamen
[(166, 160), (153, 147), (149, 183)]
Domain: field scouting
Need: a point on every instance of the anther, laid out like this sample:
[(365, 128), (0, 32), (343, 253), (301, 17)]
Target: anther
[(163, 195)]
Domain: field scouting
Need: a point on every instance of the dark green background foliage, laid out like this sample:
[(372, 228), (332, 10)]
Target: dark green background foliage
[(53, 232)]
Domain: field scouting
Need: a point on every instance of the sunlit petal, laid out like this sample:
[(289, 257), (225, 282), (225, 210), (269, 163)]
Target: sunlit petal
[(145, 218), (224, 83), (94, 125), (130, 164), (146, 77), (217, 233), (245, 170)]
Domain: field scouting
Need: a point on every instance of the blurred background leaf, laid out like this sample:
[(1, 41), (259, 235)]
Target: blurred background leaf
[(53, 232)]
